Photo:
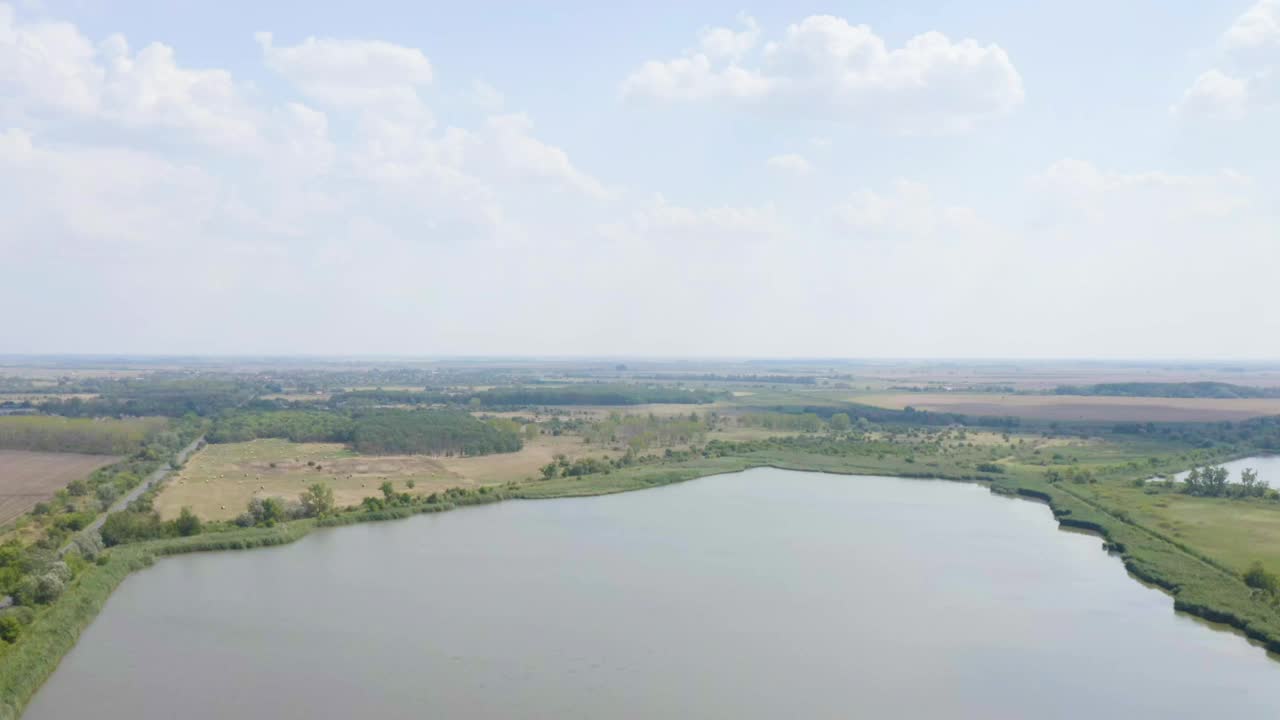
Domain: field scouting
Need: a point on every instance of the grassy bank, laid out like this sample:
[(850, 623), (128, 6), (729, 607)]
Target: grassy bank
[(1199, 584)]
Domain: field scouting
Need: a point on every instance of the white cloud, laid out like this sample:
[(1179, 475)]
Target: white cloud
[(1249, 67), (99, 202), (907, 209), (51, 69), (525, 155), (790, 163), (486, 97), (726, 43), (1214, 93), (827, 66), (351, 73), (48, 64), (698, 240), (1259, 26), (1079, 189)]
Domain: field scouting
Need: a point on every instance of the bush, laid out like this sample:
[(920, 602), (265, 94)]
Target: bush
[(1258, 578), (130, 526), (266, 511), (10, 629), (187, 524)]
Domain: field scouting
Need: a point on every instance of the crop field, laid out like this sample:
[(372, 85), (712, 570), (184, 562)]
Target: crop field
[(1067, 407), (39, 397), (218, 482), (597, 412), (27, 478)]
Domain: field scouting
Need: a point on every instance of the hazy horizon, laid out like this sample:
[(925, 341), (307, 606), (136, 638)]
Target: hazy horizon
[(921, 180)]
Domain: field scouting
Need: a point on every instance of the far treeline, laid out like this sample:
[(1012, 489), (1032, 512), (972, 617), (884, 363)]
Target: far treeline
[(378, 432), (1219, 390), (208, 397), (522, 396)]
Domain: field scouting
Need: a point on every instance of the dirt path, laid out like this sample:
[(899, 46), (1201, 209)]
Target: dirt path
[(120, 504)]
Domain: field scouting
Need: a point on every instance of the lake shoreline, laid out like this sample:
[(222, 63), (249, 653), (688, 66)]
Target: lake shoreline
[(56, 631)]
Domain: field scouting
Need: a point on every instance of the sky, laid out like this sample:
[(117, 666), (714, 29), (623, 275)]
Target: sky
[(1060, 179)]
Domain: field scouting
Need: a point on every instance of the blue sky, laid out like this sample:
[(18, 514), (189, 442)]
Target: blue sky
[(860, 179)]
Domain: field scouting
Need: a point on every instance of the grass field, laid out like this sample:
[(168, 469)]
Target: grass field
[(1234, 532), (218, 482), (1067, 408), (27, 478)]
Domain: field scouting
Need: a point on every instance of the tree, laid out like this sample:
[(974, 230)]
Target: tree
[(840, 423), (388, 490), (1208, 481), (1258, 578), (317, 501), (266, 511), (187, 524), (106, 495), (10, 628)]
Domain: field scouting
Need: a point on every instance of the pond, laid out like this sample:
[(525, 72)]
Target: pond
[(761, 594), (1268, 467)]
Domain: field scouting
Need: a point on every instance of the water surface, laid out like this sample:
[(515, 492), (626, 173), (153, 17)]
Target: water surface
[(763, 594), (1268, 467)]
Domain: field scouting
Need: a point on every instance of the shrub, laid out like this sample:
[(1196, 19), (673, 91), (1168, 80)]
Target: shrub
[(10, 628), (1258, 578), (266, 511), (130, 526), (187, 524)]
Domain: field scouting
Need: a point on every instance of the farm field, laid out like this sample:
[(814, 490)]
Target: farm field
[(27, 478), (598, 412), (1067, 407)]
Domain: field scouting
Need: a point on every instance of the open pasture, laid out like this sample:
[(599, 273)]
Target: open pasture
[(1068, 408), (27, 478), (1234, 532), (218, 482)]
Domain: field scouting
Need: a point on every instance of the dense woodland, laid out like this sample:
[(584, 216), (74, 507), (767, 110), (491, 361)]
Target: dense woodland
[(434, 432), (374, 431), (1219, 390), (97, 436)]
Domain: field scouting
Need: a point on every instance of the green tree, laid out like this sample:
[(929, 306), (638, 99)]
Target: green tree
[(1259, 578), (388, 490), (840, 423), (266, 511), (317, 500), (10, 628), (187, 524)]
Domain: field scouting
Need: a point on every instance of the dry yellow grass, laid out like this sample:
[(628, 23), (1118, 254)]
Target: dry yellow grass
[(44, 397), (527, 463), (218, 482), (1069, 407)]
